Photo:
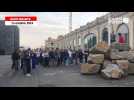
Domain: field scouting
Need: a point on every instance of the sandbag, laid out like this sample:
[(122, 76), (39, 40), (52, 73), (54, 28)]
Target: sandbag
[(90, 68)]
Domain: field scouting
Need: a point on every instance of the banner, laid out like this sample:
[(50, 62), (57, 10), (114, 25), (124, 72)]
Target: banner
[(20, 20)]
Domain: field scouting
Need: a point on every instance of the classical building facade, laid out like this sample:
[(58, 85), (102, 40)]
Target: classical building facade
[(9, 38), (50, 43), (101, 29)]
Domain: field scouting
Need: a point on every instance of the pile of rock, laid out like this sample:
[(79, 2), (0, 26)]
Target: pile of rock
[(109, 61), (112, 71), (125, 60), (95, 60)]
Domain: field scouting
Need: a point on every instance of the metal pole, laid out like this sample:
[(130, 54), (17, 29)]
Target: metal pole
[(70, 22)]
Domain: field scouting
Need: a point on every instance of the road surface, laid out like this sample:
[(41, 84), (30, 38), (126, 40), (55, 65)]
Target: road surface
[(63, 76)]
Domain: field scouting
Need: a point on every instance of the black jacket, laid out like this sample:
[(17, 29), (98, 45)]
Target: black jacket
[(15, 56)]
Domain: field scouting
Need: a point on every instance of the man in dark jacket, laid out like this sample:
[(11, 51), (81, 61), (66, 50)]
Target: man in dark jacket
[(52, 57), (57, 56), (15, 59), (80, 55), (61, 56), (27, 60), (66, 57), (86, 54)]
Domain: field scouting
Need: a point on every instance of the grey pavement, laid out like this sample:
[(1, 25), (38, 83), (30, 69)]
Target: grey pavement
[(63, 76)]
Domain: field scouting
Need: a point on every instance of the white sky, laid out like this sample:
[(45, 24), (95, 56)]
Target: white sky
[(51, 24)]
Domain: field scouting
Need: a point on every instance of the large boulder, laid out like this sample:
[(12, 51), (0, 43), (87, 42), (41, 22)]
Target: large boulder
[(100, 48), (96, 58), (123, 64), (116, 74), (90, 68), (105, 64), (120, 55), (120, 46), (131, 56), (130, 68), (112, 71)]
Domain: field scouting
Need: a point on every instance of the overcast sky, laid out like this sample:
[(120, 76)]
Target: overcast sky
[(51, 24)]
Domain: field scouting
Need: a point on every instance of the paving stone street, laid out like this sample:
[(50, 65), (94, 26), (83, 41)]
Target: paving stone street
[(62, 76)]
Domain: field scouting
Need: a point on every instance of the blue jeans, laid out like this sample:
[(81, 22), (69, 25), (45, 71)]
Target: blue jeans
[(70, 60), (67, 62), (81, 60)]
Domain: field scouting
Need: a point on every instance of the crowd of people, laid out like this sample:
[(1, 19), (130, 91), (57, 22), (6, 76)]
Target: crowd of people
[(29, 59)]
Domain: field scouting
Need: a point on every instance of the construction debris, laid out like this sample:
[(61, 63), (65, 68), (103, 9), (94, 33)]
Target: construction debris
[(114, 62)]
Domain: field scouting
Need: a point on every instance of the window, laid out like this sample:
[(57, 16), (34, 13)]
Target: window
[(123, 29)]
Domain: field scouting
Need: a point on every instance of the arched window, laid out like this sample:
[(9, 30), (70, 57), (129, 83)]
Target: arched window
[(105, 35), (90, 40), (94, 40), (124, 30)]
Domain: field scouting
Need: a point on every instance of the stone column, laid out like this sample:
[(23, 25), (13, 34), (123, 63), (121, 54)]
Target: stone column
[(98, 34), (131, 31), (109, 31), (82, 41)]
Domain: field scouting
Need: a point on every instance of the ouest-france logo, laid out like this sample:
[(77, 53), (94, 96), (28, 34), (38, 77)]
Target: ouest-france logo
[(21, 20)]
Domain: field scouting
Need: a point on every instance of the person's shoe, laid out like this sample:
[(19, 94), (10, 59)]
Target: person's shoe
[(28, 75)]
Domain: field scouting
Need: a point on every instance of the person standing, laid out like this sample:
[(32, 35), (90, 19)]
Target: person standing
[(45, 58), (70, 56), (66, 57), (80, 54), (34, 59), (52, 57), (41, 57), (61, 57), (121, 38), (15, 59), (22, 58), (86, 54), (27, 59), (75, 57), (57, 56), (38, 56)]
